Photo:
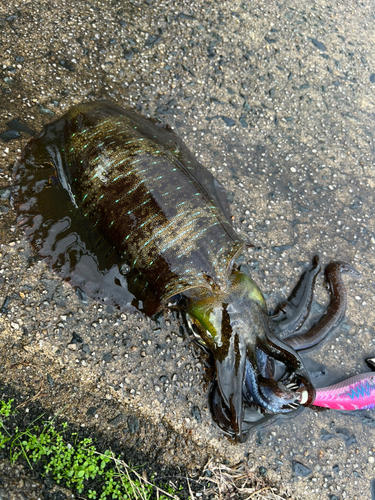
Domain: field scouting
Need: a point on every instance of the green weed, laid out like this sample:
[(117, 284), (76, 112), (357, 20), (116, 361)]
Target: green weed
[(74, 462), (5, 411)]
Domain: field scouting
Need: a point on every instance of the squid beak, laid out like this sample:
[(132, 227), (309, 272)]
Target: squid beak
[(230, 372)]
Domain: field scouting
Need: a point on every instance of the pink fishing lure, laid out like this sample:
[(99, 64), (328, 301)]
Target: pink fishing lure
[(355, 393)]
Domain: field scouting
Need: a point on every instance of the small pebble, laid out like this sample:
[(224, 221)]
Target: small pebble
[(300, 469)]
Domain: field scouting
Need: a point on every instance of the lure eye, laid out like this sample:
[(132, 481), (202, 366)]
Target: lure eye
[(304, 397)]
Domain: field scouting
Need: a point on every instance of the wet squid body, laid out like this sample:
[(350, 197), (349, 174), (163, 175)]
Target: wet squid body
[(120, 208)]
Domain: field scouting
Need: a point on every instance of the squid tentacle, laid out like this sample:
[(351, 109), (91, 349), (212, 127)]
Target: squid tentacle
[(278, 393), (335, 311), (255, 395), (289, 316), (279, 350)]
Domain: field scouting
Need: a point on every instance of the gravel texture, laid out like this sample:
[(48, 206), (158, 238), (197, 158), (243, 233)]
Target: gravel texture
[(18, 483), (277, 99)]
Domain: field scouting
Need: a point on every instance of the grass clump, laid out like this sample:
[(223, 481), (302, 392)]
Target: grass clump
[(76, 463)]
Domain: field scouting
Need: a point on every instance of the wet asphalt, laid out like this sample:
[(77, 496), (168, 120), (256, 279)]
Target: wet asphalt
[(277, 100)]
